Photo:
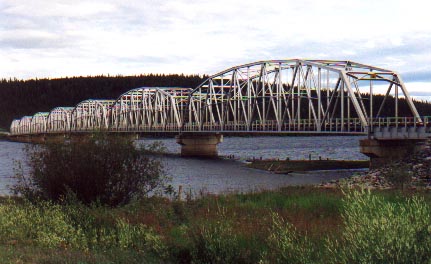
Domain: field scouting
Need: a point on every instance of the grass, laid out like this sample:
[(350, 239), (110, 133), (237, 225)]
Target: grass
[(32, 254), (296, 223)]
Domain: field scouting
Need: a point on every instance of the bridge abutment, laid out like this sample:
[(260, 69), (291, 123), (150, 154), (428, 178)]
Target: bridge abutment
[(384, 151), (199, 145)]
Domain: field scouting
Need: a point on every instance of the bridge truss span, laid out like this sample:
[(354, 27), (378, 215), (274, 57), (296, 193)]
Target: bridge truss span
[(150, 109), (59, 119), (39, 122), (274, 96), (293, 95), (91, 115)]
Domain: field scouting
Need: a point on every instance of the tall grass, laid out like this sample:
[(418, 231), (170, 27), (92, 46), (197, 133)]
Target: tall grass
[(293, 225), (286, 245), (45, 225), (50, 225), (380, 231), (215, 242)]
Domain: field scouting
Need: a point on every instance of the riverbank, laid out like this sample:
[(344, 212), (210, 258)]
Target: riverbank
[(299, 223), (412, 172), (288, 166)]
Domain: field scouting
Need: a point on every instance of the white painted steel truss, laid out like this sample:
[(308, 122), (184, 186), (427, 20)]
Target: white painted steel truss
[(59, 119), (90, 115), (149, 109), (273, 96), (39, 122), (293, 95)]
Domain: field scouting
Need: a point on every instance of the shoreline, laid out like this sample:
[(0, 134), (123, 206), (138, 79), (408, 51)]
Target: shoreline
[(288, 166)]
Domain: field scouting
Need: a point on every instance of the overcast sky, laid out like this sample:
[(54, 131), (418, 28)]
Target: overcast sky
[(58, 38)]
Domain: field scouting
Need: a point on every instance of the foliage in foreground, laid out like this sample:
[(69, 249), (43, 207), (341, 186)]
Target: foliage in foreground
[(104, 168), (379, 231), (286, 245), (55, 226), (264, 227)]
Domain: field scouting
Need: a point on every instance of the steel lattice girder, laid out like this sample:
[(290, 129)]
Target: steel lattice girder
[(38, 122), (149, 108), (276, 89), (90, 114), (287, 94), (15, 126), (25, 125), (59, 119)]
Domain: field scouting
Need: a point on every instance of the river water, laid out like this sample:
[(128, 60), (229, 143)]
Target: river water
[(227, 175)]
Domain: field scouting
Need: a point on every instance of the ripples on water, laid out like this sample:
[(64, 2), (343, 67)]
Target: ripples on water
[(216, 176), (9, 153)]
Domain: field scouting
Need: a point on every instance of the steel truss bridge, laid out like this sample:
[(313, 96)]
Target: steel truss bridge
[(276, 96)]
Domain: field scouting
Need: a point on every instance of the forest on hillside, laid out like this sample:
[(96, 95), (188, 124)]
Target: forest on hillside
[(19, 98)]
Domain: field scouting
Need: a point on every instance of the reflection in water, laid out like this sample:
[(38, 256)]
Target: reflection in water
[(221, 175)]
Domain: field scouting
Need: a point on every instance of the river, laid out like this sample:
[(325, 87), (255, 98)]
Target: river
[(225, 175)]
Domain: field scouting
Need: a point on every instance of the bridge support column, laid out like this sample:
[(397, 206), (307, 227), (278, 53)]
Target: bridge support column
[(199, 145), (384, 151)]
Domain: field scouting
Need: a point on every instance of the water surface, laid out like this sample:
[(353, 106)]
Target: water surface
[(224, 175)]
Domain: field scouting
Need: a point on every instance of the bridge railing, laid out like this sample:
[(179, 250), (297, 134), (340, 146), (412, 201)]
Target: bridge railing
[(400, 128), (302, 125), (401, 121)]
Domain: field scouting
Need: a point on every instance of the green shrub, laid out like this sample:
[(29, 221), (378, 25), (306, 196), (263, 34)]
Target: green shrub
[(104, 168), (286, 245), (379, 231), (138, 237), (214, 241), (180, 244), (44, 224), (51, 225)]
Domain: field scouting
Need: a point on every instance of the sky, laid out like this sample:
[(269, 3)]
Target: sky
[(59, 38)]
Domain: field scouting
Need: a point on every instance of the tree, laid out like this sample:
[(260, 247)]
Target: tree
[(104, 168)]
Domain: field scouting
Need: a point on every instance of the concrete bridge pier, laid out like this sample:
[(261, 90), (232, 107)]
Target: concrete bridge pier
[(199, 145), (384, 151)]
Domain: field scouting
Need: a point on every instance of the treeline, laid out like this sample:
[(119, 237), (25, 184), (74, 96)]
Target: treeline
[(388, 110), (19, 98)]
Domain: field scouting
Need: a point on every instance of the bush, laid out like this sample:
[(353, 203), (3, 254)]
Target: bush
[(214, 241), (286, 245), (139, 237), (379, 231), (50, 225), (104, 168), (45, 225)]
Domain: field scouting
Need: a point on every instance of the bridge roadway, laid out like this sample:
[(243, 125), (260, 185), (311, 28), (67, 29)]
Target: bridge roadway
[(266, 97)]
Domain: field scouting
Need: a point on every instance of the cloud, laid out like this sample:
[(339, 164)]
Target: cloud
[(76, 8), (419, 76), (64, 37), (31, 39)]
